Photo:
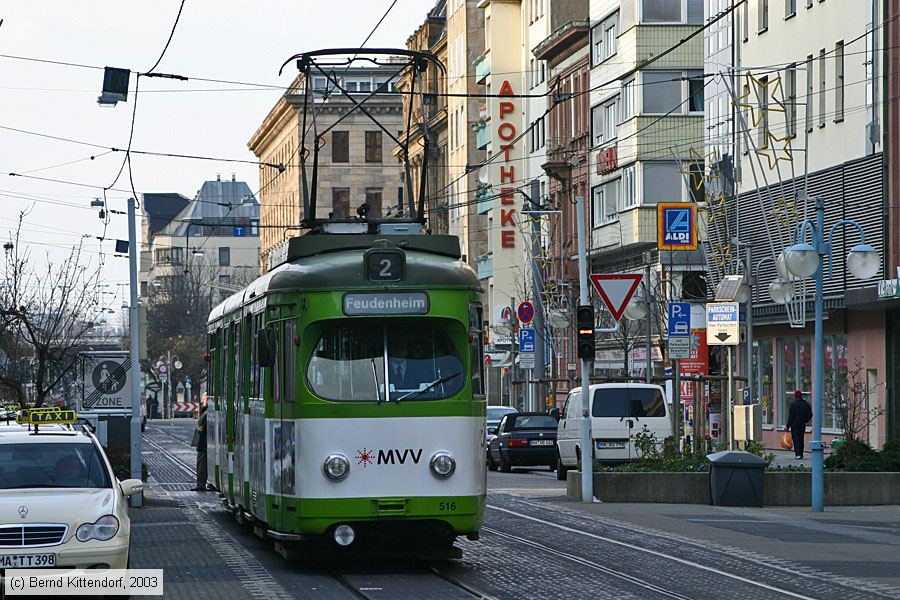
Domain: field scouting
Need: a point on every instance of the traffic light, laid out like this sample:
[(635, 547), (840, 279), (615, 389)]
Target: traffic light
[(584, 326)]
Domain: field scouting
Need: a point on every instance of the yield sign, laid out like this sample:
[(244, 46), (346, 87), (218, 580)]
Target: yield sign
[(616, 290)]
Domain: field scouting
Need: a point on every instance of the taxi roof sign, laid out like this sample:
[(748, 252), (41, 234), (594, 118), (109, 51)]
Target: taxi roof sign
[(43, 416)]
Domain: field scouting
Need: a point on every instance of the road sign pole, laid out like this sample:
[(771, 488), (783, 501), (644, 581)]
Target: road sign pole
[(727, 420), (587, 444), (136, 458), (676, 401), (649, 322)]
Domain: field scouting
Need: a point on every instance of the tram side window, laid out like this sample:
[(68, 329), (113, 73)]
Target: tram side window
[(476, 348), (289, 371), (256, 325), (236, 341), (211, 342)]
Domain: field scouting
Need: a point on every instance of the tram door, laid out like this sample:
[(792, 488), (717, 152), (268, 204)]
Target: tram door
[(232, 407), (283, 426)]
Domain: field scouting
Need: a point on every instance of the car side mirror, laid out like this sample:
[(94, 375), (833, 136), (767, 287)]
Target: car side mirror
[(130, 487), (554, 412), (265, 347)]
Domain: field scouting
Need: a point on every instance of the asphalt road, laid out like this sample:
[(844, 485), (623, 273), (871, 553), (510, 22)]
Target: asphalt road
[(534, 544)]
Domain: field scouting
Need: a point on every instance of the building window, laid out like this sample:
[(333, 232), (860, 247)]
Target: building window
[(763, 371), (809, 93), (604, 203), (762, 15), (604, 118), (662, 182), (340, 203), (822, 84), (795, 363), (224, 279), (745, 21), (790, 93), (254, 227), (696, 86), (373, 199), (696, 182), (340, 146), (628, 98), (790, 8), (373, 146), (661, 91), (762, 96), (835, 389), (604, 39), (627, 191), (224, 257), (839, 81), (661, 11)]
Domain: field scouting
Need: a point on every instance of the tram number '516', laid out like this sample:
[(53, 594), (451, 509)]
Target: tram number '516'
[(447, 505), (385, 265)]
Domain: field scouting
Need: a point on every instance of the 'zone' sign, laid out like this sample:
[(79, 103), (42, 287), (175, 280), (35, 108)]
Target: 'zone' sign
[(676, 226)]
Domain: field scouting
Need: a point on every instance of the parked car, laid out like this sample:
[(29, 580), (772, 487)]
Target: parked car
[(525, 439), (494, 414), (60, 502), (618, 411)]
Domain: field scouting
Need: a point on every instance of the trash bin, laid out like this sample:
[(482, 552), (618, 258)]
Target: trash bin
[(736, 478)]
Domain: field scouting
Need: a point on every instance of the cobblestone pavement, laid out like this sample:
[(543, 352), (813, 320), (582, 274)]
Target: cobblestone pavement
[(535, 544)]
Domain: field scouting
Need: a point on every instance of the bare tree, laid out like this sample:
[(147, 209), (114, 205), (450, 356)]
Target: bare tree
[(854, 415), (46, 309), (178, 308)]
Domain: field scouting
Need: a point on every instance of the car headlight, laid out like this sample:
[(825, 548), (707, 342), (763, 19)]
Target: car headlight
[(102, 529), (442, 465), (336, 467)]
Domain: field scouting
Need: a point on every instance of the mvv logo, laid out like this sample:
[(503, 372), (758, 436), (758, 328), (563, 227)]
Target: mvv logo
[(395, 456), (388, 458)]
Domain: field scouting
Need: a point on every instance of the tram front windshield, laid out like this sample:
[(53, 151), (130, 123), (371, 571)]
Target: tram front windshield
[(413, 359)]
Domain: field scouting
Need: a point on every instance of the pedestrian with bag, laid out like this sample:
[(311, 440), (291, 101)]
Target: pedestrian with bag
[(199, 442), (799, 416)]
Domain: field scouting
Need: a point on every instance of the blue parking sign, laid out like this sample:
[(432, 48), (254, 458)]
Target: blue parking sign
[(679, 319), (527, 340)]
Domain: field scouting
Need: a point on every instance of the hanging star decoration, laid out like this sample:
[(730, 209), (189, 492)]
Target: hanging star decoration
[(774, 95), (771, 150)]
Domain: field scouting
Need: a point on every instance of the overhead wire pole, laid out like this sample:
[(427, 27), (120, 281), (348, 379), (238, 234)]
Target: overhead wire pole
[(137, 500), (587, 445)]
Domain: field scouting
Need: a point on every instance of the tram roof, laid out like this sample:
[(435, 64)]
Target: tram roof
[(322, 262)]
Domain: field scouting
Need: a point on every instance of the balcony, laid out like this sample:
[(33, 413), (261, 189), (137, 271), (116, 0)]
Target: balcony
[(636, 226), (482, 134), (484, 197), (482, 69), (485, 266)]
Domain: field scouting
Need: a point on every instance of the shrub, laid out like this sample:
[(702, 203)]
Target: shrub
[(854, 455), (890, 456)]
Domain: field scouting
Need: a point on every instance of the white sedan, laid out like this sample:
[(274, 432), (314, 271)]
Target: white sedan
[(60, 503)]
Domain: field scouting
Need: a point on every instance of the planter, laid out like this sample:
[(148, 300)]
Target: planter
[(780, 488)]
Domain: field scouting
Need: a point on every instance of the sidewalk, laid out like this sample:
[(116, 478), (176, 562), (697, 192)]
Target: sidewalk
[(785, 458), (857, 543)]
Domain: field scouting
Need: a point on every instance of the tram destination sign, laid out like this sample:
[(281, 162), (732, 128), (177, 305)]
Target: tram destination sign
[(385, 303)]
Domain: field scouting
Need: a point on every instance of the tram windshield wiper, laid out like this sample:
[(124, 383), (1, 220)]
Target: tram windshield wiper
[(378, 397), (428, 387)]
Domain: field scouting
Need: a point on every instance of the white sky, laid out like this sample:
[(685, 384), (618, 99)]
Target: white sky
[(238, 40)]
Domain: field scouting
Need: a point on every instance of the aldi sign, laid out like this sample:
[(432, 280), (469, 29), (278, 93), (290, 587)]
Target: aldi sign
[(676, 226)]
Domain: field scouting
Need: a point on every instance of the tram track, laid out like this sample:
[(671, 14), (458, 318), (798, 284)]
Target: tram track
[(363, 592)]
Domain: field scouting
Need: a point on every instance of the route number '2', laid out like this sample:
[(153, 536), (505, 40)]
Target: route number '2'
[(385, 265)]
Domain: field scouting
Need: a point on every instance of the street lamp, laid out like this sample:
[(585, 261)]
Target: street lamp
[(803, 260)]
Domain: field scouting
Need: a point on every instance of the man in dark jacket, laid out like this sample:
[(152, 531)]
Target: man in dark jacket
[(201, 448), (799, 415)]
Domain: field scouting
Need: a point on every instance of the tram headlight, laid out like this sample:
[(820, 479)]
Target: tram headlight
[(336, 467), (442, 465)]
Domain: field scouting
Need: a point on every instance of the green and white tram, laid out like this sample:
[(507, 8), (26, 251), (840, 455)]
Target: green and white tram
[(346, 394)]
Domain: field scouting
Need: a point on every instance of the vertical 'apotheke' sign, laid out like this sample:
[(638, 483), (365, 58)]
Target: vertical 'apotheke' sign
[(506, 131)]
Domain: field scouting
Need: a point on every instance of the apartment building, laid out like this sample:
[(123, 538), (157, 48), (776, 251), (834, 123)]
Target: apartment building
[(356, 164), (425, 105), (810, 121), (647, 111)]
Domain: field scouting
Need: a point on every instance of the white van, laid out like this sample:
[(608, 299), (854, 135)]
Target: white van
[(618, 411)]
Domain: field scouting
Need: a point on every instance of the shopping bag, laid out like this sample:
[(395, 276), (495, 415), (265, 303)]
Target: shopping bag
[(786, 442)]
